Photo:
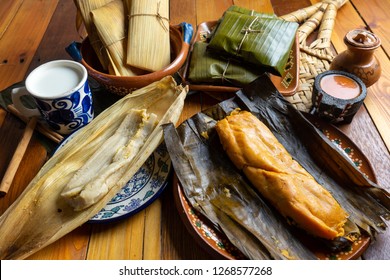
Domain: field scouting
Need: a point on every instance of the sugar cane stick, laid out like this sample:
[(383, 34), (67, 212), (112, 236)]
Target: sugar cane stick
[(17, 157)]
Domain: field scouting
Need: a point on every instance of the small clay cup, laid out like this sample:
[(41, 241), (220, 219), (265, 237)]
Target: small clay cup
[(334, 109)]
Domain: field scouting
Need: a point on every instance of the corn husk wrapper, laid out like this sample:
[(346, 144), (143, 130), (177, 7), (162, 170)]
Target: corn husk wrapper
[(261, 41), (148, 35), (110, 25), (207, 67), (85, 7), (40, 215)]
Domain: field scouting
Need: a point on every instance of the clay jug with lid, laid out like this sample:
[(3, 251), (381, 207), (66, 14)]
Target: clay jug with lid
[(359, 58)]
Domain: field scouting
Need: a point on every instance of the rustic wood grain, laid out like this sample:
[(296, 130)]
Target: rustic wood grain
[(22, 38), (152, 235), (118, 240), (8, 10), (375, 14)]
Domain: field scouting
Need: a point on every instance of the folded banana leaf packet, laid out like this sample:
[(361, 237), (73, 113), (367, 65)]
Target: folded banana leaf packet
[(219, 191), (260, 40), (207, 67)]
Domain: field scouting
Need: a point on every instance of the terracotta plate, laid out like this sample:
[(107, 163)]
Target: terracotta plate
[(287, 84), (217, 244)]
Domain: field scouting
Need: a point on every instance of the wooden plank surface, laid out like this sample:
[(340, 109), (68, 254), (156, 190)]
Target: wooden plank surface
[(375, 14), (8, 10), (23, 37)]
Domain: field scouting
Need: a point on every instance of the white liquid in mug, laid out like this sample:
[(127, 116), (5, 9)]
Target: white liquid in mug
[(55, 81)]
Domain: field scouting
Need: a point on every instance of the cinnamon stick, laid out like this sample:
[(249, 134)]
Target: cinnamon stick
[(50, 134), (17, 157)]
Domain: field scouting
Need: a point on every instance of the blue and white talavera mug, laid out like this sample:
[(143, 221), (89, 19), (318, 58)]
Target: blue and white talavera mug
[(62, 94)]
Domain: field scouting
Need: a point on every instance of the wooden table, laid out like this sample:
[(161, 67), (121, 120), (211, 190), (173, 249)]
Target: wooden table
[(33, 32)]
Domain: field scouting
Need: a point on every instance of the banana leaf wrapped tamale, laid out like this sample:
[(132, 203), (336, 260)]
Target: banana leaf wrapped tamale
[(245, 11), (279, 178), (208, 67), (218, 191), (242, 10), (259, 40), (366, 203)]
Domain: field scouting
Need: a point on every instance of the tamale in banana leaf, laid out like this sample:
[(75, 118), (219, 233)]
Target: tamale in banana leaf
[(245, 11), (365, 202), (215, 188), (41, 215), (208, 67), (367, 206), (259, 40)]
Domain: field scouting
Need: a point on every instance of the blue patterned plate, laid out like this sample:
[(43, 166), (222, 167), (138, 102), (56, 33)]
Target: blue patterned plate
[(143, 188)]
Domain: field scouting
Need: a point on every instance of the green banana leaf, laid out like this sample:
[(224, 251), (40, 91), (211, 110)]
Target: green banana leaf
[(207, 67), (265, 41)]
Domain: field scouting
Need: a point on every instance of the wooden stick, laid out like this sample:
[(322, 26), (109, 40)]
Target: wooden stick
[(52, 135), (17, 157)]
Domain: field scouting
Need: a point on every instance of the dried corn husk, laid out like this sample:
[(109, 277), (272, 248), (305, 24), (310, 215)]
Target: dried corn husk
[(259, 40), (109, 21), (148, 36), (316, 57), (85, 7), (40, 215)]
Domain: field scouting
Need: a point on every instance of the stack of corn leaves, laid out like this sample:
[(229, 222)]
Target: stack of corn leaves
[(148, 40), (84, 175), (130, 37), (316, 57), (84, 8), (112, 32)]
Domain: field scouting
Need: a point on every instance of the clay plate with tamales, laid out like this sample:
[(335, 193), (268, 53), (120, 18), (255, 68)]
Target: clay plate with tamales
[(212, 189)]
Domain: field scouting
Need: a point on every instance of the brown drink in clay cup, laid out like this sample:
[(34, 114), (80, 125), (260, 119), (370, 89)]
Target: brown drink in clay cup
[(337, 96)]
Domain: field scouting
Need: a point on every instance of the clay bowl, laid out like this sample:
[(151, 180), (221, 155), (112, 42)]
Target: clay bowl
[(180, 37)]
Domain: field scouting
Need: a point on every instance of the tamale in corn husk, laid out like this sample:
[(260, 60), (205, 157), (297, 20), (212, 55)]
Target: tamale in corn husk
[(148, 45), (85, 7), (46, 210), (109, 21), (254, 39), (214, 188), (211, 68)]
